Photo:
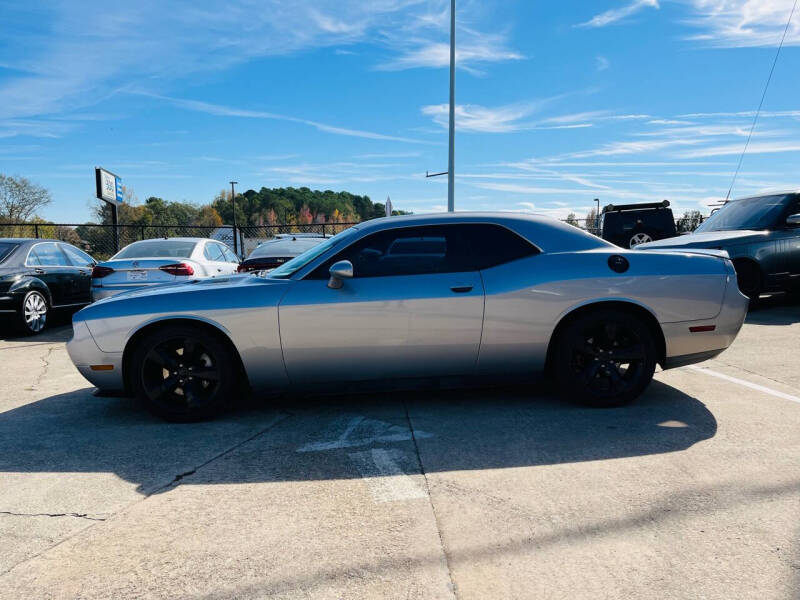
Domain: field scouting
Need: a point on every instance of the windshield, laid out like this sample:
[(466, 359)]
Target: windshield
[(6, 248), (749, 213), (288, 268), (157, 249)]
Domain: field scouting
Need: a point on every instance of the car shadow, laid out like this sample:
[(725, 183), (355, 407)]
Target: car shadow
[(316, 438), (59, 329), (777, 309)]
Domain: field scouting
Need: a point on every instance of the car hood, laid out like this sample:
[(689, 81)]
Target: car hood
[(193, 286), (709, 239)]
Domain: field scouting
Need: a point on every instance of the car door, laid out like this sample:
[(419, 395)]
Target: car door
[(81, 283), (231, 260), (790, 235), (215, 259), (48, 263), (413, 308)]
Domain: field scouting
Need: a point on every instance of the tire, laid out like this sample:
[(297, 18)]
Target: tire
[(640, 237), (178, 389), (604, 358), (33, 313), (749, 278)]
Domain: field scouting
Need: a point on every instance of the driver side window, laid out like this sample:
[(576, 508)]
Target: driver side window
[(405, 251)]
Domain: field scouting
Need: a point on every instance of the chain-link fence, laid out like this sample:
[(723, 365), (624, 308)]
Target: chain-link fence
[(102, 241)]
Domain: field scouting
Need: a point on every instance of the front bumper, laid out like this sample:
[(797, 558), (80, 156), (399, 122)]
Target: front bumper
[(101, 369), (684, 347)]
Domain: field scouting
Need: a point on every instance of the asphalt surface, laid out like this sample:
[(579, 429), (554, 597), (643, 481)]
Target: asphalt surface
[(692, 492)]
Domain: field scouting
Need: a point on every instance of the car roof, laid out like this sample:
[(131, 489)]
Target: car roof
[(31, 241), (764, 194), (547, 233), (175, 239)]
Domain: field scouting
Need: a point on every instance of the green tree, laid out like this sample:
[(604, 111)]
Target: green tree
[(20, 199), (690, 221)]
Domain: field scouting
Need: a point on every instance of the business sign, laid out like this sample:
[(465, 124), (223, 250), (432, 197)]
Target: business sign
[(109, 186)]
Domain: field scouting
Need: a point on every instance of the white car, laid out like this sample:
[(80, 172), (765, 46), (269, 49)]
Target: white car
[(158, 261)]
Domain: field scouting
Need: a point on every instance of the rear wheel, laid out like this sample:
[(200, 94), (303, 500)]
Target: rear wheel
[(183, 373), (604, 358), (749, 278), (33, 313)]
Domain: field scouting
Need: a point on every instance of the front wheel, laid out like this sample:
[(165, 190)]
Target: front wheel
[(183, 373), (748, 276), (604, 358)]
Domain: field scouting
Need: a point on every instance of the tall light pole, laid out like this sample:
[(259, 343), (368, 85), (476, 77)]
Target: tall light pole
[(451, 162), (597, 215), (233, 200)]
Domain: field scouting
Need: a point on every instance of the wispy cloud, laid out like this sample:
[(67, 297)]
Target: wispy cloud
[(78, 56), (735, 149), (602, 63), (743, 23), (617, 14), (229, 111)]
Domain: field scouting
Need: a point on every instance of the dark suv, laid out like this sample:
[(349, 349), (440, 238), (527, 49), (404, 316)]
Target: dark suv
[(629, 225), (761, 234)]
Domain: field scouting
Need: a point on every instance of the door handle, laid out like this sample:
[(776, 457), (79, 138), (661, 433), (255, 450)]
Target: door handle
[(461, 289), (39, 271)]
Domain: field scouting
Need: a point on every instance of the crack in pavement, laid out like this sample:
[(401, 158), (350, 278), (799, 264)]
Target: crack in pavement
[(72, 514), (453, 587), (46, 360), (278, 419)]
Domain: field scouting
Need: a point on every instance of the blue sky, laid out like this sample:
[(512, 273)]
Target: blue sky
[(558, 102)]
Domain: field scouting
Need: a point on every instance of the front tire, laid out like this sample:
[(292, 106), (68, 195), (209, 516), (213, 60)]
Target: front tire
[(749, 278), (33, 313), (183, 373), (604, 358)]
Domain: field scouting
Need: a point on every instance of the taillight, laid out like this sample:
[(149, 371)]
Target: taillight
[(99, 272), (178, 269), (261, 265)]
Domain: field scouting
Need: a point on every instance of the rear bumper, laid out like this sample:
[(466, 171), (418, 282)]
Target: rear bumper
[(85, 354), (100, 292), (684, 347)]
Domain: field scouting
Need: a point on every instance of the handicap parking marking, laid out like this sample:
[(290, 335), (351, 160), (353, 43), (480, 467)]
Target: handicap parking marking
[(380, 468), (360, 431), (747, 384)]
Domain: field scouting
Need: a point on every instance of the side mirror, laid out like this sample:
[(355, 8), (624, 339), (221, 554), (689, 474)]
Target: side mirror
[(793, 220), (339, 272)]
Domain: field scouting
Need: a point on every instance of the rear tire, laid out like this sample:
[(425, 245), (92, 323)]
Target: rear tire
[(33, 313), (183, 374), (604, 358)]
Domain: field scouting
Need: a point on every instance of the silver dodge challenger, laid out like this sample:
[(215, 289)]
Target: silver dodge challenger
[(462, 296)]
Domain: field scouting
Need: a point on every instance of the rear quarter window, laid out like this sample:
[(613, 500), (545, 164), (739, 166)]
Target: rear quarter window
[(494, 245)]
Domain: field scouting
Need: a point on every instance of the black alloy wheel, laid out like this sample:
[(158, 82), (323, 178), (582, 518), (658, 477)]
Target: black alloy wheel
[(605, 358), (183, 374)]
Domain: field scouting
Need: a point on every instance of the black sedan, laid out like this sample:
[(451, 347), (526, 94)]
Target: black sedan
[(761, 235), (37, 276)]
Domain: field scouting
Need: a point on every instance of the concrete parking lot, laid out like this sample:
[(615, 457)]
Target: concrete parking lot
[(692, 492)]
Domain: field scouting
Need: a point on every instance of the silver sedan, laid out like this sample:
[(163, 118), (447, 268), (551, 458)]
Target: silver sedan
[(464, 297)]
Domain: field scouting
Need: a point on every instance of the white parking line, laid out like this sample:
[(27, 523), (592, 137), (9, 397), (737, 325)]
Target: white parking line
[(360, 431), (386, 479), (748, 384)]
